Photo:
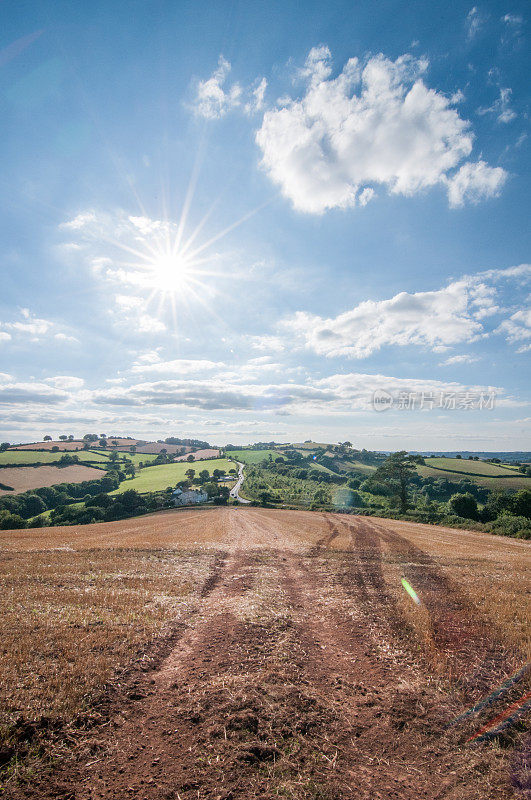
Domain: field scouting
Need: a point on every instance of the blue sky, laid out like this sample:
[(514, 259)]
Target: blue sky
[(239, 221)]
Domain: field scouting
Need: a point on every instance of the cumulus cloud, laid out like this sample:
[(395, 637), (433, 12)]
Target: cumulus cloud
[(177, 366), (375, 124), (435, 319), (212, 100), (517, 329), (14, 393), (66, 382), (475, 182), (338, 393), (4, 336)]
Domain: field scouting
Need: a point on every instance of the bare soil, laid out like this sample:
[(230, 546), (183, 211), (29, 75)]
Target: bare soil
[(24, 478), (200, 454), (302, 669)]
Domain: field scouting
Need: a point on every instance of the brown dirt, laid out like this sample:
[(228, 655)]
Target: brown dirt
[(200, 454), (24, 478), (301, 672), (156, 447)]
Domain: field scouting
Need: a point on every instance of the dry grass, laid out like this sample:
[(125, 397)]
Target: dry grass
[(69, 619), (493, 571)]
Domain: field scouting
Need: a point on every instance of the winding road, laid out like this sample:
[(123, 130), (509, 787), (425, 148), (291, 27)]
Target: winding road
[(235, 491)]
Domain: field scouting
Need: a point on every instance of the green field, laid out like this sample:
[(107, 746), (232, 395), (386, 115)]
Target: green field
[(136, 458), (466, 467), (18, 457), (253, 456), (491, 476), (154, 479)]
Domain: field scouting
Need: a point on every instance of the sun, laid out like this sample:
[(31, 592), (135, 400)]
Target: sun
[(168, 271)]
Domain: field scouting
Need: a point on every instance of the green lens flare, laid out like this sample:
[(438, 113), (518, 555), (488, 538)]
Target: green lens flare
[(411, 592)]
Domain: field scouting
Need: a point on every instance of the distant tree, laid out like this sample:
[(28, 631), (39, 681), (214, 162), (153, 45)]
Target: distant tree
[(464, 505), (55, 449), (397, 472), (113, 458), (132, 449), (190, 458), (70, 437), (4, 446), (190, 474), (103, 442), (47, 438), (129, 469), (114, 442), (33, 505), (458, 456), (217, 474), (91, 437), (204, 476), (63, 438), (103, 435), (101, 500)]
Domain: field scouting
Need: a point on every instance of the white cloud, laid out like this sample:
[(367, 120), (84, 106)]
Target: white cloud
[(212, 101), (475, 182), (4, 336), (62, 337), (80, 221), (375, 124), (474, 21), (257, 98), (517, 329), (436, 319), (463, 359), (66, 382), (501, 107), (178, 366)]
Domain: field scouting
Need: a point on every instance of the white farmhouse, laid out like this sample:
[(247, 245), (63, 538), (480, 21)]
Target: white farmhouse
[(189, 497)]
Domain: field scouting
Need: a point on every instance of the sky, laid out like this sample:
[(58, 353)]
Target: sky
[(249, 221)]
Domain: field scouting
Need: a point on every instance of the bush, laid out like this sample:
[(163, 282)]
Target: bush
[(510, 525), (10, 521), (463, 505)]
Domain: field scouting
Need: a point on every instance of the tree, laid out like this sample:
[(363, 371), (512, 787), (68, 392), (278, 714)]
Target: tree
[(102, 442), (129, 469), (190, 474), (90, 437), (70, 437), (397, 472), (114, 443), (63, 438), (33, 505), (217, 474), (113, 458), (204, 476), (47, 438), (4, 446), (190, 458), (464, 505)]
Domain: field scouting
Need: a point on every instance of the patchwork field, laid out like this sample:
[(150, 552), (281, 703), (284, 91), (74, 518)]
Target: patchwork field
[(155, 478), (253, 653), (23, 478), (510, 480), (157, 447)]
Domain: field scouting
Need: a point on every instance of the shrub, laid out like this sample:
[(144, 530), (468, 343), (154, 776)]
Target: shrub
[(511, 525), (464, 505)]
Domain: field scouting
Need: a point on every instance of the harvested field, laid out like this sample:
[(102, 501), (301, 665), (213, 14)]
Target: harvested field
[(23, 478), (253, 653), (77, 444), (157, 447), (199, 454)]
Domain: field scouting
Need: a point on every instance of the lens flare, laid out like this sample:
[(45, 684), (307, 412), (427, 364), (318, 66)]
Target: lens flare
[(411, 592)]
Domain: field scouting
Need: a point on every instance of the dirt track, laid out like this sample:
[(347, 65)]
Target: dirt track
[(299, 674)]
